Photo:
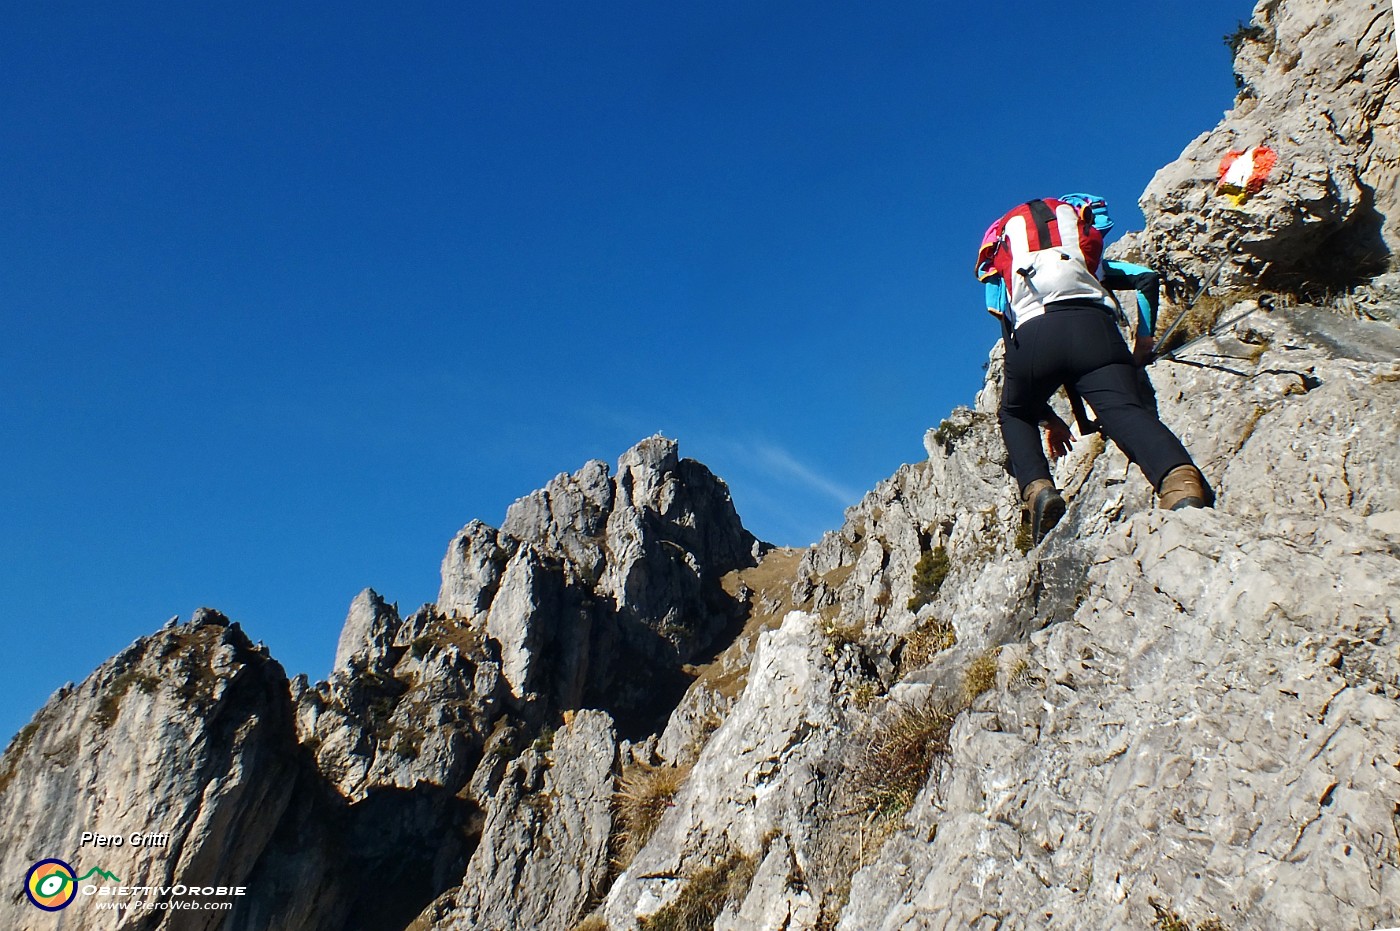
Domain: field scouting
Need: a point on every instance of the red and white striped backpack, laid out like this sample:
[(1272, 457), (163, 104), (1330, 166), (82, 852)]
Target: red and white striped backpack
[(1043, 251)]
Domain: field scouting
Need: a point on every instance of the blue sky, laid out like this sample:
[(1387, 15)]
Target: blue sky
[(291, 292)]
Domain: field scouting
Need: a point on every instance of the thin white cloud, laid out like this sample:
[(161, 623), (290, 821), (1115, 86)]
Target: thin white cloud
[(781, 464), (780, 520), (758, 457)]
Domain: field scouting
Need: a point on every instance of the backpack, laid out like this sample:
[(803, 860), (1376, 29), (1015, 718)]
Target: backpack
[(1045, 251)]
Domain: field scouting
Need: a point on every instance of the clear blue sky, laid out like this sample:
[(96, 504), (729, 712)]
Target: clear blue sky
[(293, 291)]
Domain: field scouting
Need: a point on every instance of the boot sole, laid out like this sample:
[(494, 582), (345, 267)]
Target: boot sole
[(1189, 502), (1046, 515)]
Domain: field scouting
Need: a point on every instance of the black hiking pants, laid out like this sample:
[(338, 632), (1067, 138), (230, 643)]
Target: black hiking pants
[(1080, 346)]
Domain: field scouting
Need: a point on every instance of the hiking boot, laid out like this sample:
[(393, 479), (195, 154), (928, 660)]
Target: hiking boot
[(1045, 506), (1183, 487)]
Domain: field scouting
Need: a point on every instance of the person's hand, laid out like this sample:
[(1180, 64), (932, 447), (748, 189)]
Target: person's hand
[(1142, 349), (1058, 438)]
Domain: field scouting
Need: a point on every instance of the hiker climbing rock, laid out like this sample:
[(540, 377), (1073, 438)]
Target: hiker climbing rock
[(1046, 281)]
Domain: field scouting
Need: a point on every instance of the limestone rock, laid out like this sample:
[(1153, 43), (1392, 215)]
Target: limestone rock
[(776, 901), (1119, 766), (547, 831), (1211, 732), (369, 629), (187, 740), (472, 569), (599, 588), (568, 517), (415, 709), (593, 591), (960, 501), (184, 739), (757, 776)]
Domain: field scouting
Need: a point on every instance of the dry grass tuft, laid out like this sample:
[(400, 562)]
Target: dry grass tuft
[(864, 694), (900, 757), (1204, 314), (1248, 429), (1169, 920), (924, 643), (840, 635), (705, 896), (980, 675), (1200, 317), (1025, 538), (1019, 676), (643, 794)]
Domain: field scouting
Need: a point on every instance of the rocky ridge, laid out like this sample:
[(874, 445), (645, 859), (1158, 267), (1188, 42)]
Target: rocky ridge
[(419, 775), (625, 712)]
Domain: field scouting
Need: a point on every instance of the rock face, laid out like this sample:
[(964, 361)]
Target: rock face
[(754, 779), (1148, 752), (624, 712), (548, 830), (185, 735), (1318, 85), (598, 588), (368, 632), (1180, 739)]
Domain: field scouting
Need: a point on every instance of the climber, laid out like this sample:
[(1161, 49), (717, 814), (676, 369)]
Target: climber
[(1045, 281)]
